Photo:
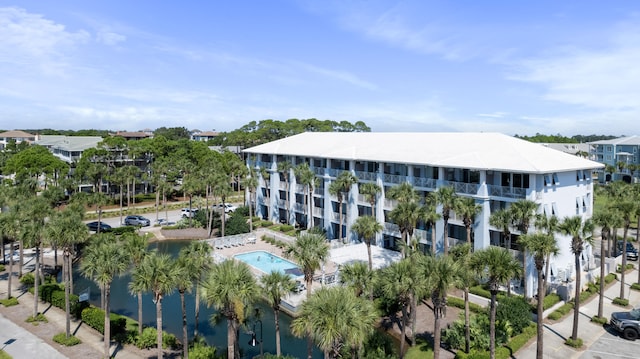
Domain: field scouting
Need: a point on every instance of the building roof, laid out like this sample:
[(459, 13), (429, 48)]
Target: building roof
[(69, 143), (472, 150), (16, 134), (137, 134), (206, 134), (631, 140)]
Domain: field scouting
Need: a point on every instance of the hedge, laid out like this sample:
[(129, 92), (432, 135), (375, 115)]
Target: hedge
[(482, 291), (54, 293), (459, 303), (505, 351), (94, 317)]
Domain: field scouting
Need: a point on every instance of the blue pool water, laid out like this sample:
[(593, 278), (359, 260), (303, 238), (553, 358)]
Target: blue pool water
[(267, 262)]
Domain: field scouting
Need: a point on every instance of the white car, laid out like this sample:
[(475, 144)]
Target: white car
[(186, 212), (228, 208)]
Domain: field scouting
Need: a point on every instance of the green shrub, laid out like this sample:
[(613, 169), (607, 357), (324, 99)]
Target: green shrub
[(9, 302), (4, 355), (574, 343), (550, 300), (561, 312), (628, 267), (2, 268), (94, 317), (555, 315), (620, 301), (40, 318), (286, 228), (610, 278), (237, 224), (635, 286), (61, 338), (599, 320), (150, 335), (421, 350), (266, 224), (202, 351), (54, 293), (505, 351), (515, 311), (28, 280), (272, 356), (483, 291), (459, 303)]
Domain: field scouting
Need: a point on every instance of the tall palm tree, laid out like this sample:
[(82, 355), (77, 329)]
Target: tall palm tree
[(367, 227), (309, 250), (341, 188), (407, 215), (398, 281), (549, 225), (370, 191), (524, 211), (606, 220), (581, 233), (431, 217), (103, 260), (627, 208), (136, 246), (404, 193), (441, 273), (276, 285), (468, 209), (356, 275), (285, 168), (503, 219), (251, 183), (497, 266), (335, 318), (200, 262), (67, 230), (308, 179), (541, 245), (230, 288), (446, 197), (157, 274), (9, 228), (466, 278)]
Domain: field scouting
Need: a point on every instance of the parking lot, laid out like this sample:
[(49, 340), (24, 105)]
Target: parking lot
[(611, 345)]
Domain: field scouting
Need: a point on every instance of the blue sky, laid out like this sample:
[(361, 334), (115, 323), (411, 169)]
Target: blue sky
[(568, 67)]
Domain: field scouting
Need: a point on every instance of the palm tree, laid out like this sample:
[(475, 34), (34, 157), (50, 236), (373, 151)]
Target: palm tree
[(308, 179), (358, 276), (341, 188), (431, 217), (502, 219), (251, 183), (9, 228), (136, 246), (627, 208), (367, 227), (403, 193), (285, 168), (370, 191), (524, 211), (309, 250), (606, 220), (230, 288), (103, 260), (335, 318), (157, 274), (497, 266), (200, 261), (407, 215), (398, 281), (468, 209), (550, 226), (67, 230), (580, 232), (276, 285), (541, 245), (441, 273), (446, 196), (466, 278)]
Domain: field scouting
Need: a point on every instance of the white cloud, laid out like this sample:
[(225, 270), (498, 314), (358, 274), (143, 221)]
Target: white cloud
[(110, 38)]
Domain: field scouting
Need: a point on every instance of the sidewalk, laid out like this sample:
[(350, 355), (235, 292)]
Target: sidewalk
[(556, 333), (24, 340)]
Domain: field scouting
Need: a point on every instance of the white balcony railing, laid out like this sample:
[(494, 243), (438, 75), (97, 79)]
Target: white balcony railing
[(500, 191), (367, 176)]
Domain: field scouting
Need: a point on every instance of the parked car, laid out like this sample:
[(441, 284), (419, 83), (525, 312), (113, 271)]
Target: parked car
[(93, 226), (632, 252), (186, 212), (136, 221), (164, 222), (627, 323), (228, 208)]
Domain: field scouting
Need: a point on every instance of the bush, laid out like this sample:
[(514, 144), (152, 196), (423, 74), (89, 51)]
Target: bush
[(94, 317), (286, 228), (150, 335), (2, 268), (242, 211), (515, 311), (550, 300), (599, 320), (266, 224), (459, 303), (505, 351), (28, 280), (574, 343), (635, 286), (40, 318), (628, 268), (236, 224), (61, 338), (620, 301), (9, 302), (54, 293)]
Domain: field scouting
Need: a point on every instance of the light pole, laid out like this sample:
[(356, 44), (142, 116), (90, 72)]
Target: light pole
[(254, 340)]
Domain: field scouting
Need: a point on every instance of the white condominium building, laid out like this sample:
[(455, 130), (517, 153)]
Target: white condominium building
[(492, 168)]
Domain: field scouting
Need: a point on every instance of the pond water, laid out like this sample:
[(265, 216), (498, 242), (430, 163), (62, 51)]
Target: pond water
[(123, 302)]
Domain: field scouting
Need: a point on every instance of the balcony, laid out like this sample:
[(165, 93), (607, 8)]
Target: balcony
[(392, 229), (424, 182), (367, 176), (319, 171), (462, 187), (389, 178), (508, 192)]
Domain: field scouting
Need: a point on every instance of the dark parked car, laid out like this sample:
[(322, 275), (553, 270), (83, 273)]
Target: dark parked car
[(627, 323), (136, 221), (632, 252), (93, 226)]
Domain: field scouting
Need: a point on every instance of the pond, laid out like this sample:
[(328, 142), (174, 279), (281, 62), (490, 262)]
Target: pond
[(122, 302)]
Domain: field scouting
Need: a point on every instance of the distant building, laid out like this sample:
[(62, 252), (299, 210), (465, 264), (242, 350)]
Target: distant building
[(579, 149), (495, 170), (15, 135), (204, 136), (68, 148), (623, 154), (138, 135)]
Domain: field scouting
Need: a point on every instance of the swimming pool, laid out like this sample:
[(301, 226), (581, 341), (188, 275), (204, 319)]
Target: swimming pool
[(267, 262)]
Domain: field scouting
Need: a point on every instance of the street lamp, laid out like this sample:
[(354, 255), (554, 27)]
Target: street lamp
[(254, 341)]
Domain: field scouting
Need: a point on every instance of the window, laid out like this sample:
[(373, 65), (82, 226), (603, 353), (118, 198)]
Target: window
[(578, 176), (554, 209), (547, 180), (555, 179), (609, 148)]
